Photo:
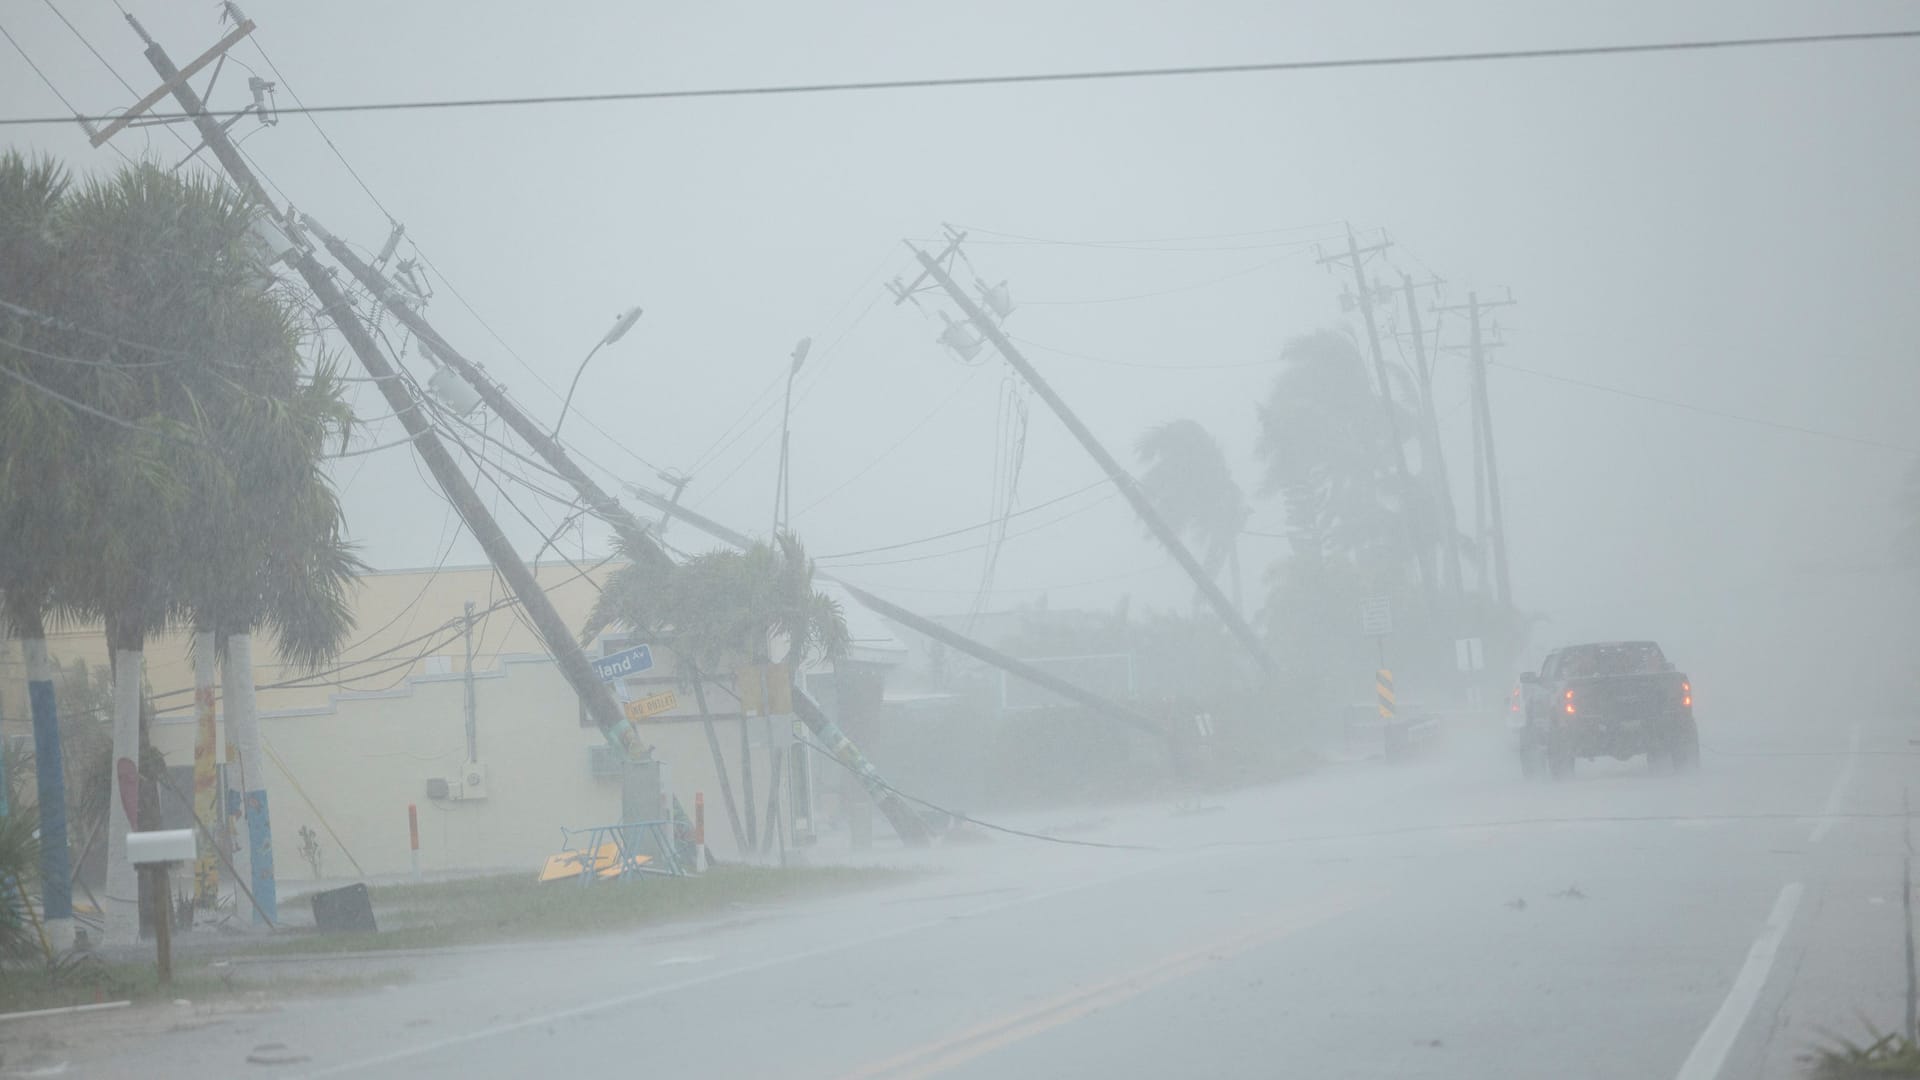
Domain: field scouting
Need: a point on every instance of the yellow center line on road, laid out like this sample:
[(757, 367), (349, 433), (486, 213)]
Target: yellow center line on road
[(952, 1050)]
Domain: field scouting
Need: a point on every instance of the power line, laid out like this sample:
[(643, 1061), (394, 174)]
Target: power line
[(63, 324), (1100, 75), (1050, 522), (1269, 362), (1704, 409), (1035, 508), (300, 106), (77, 116), (1209, 283), (1161, 565), (897, 444), (1132, 242), (81, 406)]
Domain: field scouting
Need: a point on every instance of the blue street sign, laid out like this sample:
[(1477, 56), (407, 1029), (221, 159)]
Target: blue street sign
[(624, 663)]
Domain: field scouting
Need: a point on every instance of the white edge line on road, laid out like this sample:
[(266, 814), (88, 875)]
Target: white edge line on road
[(727, 973), (1709, 1054), (1829, 818)]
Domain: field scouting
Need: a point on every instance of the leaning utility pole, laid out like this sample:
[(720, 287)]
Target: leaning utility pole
[(634, 533), (1355, 258), (595, 695), (953, 639), (1431, 454), (1487, 462), (1129, 487)]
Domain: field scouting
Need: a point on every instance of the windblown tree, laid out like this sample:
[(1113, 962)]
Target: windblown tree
[(723, 609), (1191, 485), (200, 453), (272, 555), (1327, 452), (40, 451)]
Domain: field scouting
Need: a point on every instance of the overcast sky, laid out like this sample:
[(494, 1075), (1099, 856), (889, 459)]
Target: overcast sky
[(1734, 230)]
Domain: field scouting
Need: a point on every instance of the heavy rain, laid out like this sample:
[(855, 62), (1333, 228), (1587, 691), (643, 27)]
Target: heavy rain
[(1008, 540)]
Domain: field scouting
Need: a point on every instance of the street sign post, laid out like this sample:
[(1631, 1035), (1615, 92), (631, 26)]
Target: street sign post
[(1469, 654), (651, 705), (1376, 616), (624, 663)]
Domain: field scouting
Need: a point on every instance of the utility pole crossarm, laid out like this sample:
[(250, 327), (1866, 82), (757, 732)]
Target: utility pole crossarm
[(1129, 488), (553, 629), (178, 78)]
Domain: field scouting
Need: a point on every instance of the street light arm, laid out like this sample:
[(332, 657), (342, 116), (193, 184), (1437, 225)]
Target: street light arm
[(575, 385)]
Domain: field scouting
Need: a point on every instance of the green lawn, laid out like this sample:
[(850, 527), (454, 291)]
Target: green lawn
[(514, 907), (37, 987)]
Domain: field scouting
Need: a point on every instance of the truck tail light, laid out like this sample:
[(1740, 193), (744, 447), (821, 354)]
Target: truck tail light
[(1513, 700), (1569, 699), (1686, 694)]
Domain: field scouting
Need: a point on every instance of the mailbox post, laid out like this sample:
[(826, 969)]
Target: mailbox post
[(152, 853)]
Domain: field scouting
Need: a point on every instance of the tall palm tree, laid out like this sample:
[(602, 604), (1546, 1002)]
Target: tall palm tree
[(1326, 450), (38, 450), (165, 260), (1193, 488), (271, 553)]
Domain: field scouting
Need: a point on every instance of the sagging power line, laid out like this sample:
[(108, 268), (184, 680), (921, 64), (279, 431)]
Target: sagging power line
[(1036, 78)]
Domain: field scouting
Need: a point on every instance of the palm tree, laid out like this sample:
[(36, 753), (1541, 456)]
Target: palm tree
[(1325, 448), (724, 609), (271, 554), (1193, 488), (40, 447), (166, 260)]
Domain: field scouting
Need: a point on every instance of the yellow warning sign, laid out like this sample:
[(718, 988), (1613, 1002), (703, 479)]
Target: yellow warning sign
[(1383, 692), (651, 705)]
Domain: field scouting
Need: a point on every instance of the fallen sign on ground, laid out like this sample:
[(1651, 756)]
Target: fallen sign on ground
[(604, 860)]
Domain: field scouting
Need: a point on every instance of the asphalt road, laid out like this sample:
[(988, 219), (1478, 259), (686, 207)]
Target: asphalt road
[(1443, 918)]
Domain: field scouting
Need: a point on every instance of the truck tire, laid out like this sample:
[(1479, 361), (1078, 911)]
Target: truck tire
[(1559, 757), (1684, 749), (1660, 760)]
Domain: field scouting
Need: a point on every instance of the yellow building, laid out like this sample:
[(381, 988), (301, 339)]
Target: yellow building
[(384, 728)]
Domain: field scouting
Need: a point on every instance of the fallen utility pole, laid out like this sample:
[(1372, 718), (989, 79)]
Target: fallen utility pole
[(596, 695), (635, 533), (951, 638), (1130, 488)]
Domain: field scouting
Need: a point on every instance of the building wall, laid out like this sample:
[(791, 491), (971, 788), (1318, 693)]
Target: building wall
[(356, 764)]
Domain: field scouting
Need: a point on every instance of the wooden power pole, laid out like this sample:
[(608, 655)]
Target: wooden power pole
[(1123, 480), (1487, 462), (559, 639), (1432, 455)]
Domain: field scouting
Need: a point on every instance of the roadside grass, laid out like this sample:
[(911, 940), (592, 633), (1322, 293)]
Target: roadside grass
[(40, 987), (1887, 1057), (515, 907)]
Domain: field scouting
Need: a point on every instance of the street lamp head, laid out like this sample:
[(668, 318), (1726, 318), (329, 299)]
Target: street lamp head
[(800, 354), (621, 325)]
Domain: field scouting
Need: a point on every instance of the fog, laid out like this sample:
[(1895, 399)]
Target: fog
[(1702, 398)]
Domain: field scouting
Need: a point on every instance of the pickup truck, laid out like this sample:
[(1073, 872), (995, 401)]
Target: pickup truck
[(1614, 699)]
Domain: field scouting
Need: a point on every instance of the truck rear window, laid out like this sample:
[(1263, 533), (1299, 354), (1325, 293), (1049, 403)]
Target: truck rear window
[(1628, 658)]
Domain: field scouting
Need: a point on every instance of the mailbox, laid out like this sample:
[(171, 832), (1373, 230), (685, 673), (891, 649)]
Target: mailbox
[(164, 846)]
